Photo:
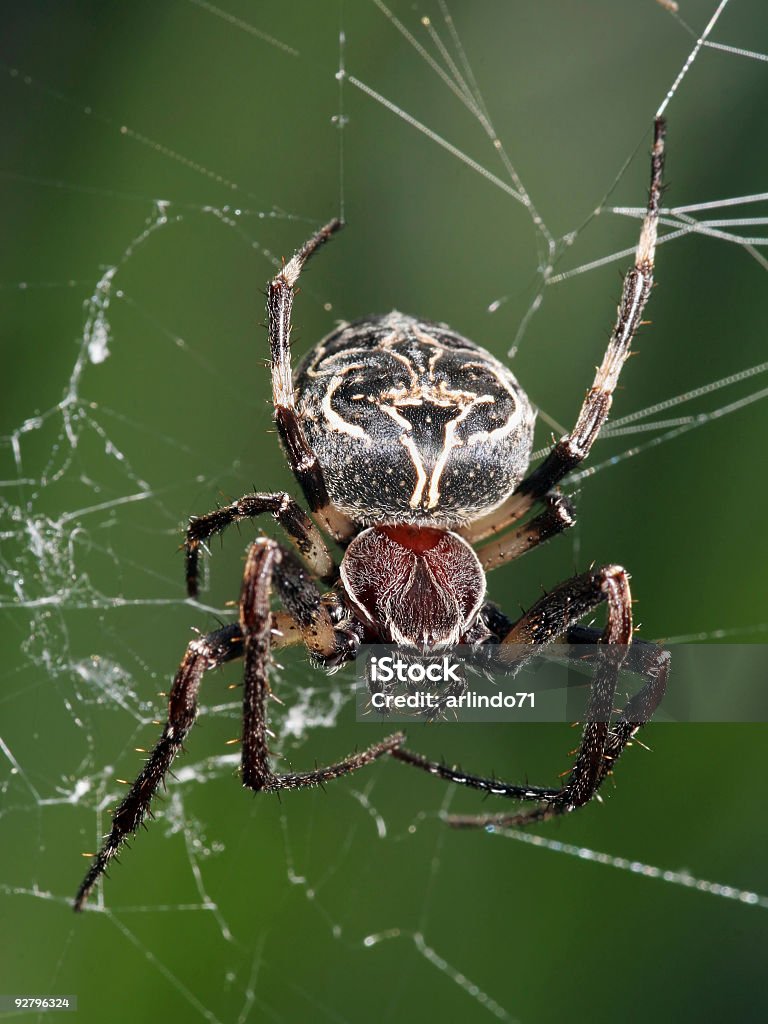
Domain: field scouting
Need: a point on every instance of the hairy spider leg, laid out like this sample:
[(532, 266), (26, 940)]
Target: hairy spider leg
[(204, 653), (269, 563), (573, 448), (291, 516), (301, 458), (558, 515), (257, 633), (644, 659), (549, 619)]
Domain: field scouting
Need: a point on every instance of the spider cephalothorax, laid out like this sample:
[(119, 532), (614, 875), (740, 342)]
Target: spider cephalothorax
[(411, 445)]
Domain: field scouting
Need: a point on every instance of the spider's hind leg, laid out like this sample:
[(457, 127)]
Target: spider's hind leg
[(301, 457)]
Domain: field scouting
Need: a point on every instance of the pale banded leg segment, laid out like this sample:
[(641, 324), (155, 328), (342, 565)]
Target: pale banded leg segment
[(557, 516), (572, 449), (302, 459)]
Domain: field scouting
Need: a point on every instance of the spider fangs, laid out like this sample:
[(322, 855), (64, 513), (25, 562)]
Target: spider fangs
[(411, 445)]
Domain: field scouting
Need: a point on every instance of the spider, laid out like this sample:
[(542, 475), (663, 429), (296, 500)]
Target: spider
[(411, 445)]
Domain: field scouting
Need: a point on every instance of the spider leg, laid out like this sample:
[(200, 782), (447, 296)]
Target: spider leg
[(644, 659), (269, 563), (202, 654), (547, 620), (557, 516), (293, 519), (302, 459), (311, 624), (570, 450), (650, 662)]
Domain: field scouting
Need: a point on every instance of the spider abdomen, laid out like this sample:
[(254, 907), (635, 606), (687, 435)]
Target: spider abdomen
[(412, 423)]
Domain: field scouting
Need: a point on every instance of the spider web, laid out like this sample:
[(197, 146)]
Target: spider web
[(492, 172)]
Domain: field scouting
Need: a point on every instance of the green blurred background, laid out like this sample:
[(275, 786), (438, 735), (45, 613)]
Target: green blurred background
[(240, 908)]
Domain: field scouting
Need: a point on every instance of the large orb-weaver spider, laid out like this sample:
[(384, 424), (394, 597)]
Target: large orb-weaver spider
[(410, 444)]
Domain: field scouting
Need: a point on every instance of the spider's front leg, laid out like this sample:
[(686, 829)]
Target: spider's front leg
[(601, 744), (646, 660), (302, 459), (202, 654), (259, 630), (269, 563)]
